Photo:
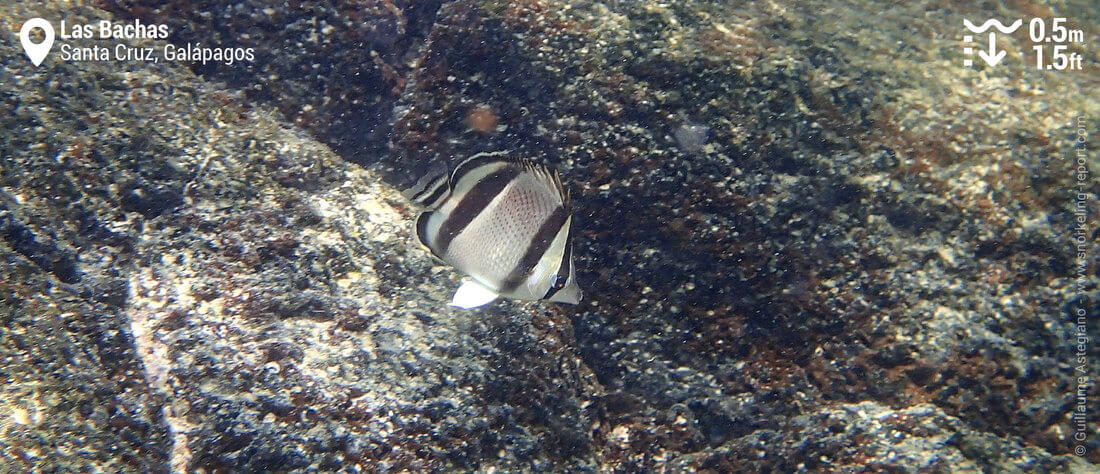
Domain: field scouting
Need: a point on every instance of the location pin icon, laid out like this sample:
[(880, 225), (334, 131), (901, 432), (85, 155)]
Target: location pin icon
[(37, 52)]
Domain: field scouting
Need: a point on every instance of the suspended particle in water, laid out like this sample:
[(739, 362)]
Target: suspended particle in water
[(691, 136), (482, 119)]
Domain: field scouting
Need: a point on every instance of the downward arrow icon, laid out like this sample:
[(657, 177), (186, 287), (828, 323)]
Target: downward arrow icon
[(993, 56)]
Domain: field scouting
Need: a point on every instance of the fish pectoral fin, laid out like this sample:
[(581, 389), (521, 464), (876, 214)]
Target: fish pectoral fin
[(472, 294)]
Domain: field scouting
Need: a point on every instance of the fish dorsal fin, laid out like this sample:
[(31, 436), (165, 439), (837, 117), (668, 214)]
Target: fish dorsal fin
[(549, 176), (472, 294), (543, 173)]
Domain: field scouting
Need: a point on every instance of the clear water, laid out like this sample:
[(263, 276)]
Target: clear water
[(833, 236)]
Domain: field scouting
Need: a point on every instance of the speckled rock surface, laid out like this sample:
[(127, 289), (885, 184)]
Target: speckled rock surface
[(333, 68), (805, 244)]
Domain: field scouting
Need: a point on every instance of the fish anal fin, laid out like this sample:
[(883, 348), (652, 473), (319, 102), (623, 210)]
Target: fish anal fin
[(472, 294)]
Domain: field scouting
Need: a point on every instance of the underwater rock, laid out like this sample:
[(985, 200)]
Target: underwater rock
[(847, 275), (273, 314), (333, 68)]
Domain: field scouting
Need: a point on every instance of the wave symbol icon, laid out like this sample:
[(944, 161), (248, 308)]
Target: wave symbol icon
[(992, 23)]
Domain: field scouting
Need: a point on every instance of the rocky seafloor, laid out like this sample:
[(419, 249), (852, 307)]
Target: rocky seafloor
[(806, 243)]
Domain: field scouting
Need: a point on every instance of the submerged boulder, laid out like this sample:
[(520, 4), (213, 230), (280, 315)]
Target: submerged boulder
[(862, 263)]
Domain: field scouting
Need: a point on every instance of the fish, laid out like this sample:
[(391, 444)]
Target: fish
[(505, 223)]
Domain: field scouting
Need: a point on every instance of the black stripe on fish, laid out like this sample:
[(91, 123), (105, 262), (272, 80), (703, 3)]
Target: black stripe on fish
[(486, 158), (434, 194), (470, 206), (426, 189), (563, 267), (422, 233), (536, 248), (476, 161)]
